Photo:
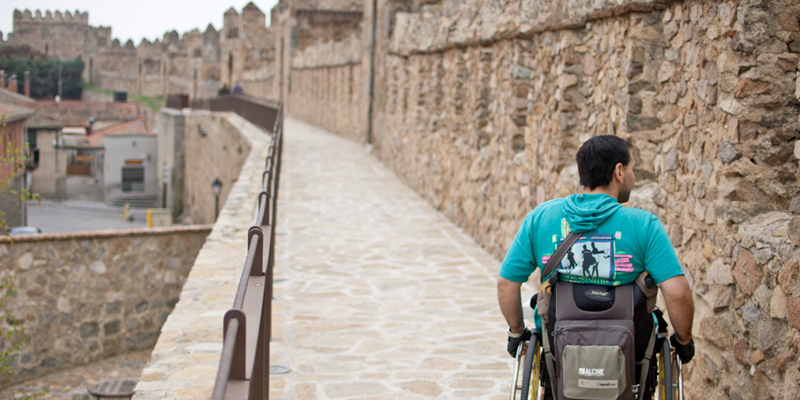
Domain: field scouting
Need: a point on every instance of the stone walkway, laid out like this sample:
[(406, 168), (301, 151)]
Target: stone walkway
[(378, 296)]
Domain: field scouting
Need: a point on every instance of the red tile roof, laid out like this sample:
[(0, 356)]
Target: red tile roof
[(50, 114), (137, 127), (10, 113), (9, 97)]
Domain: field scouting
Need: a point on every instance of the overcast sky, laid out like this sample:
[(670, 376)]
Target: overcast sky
[(136, 19)]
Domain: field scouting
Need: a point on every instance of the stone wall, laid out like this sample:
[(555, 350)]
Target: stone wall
[(171, 128), (327, 87), (86, 296), (485, 103), (210, 136)]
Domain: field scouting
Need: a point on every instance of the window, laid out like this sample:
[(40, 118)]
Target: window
[(32, 139)]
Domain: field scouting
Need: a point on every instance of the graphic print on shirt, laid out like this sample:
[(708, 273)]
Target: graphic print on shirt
[(590, 257), (594, 258)]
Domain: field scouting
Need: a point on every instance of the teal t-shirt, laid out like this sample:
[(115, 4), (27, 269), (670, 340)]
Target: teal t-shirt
[(619, 242)]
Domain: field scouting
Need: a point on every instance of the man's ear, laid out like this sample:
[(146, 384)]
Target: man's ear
[(619, 172)]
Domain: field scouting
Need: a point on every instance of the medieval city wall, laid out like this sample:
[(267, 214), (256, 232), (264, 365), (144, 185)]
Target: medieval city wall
[(327, 86), (85, 296), (216, 137), (484, 105)]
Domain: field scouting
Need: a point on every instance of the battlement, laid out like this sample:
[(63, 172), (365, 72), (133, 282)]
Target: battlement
[(27, 17)]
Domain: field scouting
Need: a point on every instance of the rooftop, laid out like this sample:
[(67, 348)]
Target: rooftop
[(50, 114), (11, 112), (136, 127), (9, 97)]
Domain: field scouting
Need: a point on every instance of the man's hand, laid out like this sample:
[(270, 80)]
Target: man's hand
[(684, 351), (513, 342)]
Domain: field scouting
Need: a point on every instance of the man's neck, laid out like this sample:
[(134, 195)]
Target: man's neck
[(607, 189)]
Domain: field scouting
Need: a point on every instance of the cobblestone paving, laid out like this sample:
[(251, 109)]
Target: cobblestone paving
[(378, 296)]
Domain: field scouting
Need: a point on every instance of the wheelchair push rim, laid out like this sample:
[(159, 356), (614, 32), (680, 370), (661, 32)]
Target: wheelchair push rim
[(530, 360), (670, 375)]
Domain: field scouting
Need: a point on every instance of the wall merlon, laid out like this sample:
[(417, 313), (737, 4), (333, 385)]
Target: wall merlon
[(24, 17)]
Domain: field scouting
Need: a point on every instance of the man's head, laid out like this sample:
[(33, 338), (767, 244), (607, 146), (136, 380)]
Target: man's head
[(606, 161)]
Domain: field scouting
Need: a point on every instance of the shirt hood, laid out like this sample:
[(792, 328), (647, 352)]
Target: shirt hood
[(585, 212)]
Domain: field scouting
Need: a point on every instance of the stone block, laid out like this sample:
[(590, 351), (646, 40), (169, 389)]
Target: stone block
[(89, 330), (741, 350), (25, 261), (777, 304), (111, 328), (746, 273), (768, 332), (794, 231), (639, 123), (141, 306), (718, 297), (793, 311), (727, 153), (717, 331), (788, 278), (520, 72), (747, 88)]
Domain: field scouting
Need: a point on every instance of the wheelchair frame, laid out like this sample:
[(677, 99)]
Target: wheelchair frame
[(527, 372)]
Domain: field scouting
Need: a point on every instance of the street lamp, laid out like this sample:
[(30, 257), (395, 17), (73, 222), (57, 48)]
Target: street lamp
[(216, 187)]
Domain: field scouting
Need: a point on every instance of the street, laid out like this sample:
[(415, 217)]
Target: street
[(75, 216)]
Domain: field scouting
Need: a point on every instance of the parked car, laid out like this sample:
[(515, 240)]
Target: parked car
[(23, 230)]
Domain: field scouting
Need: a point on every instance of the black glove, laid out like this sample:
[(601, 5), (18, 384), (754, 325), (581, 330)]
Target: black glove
[(684, 351), (513, 343)]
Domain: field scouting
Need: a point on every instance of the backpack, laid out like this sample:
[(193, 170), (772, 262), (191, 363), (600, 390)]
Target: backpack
[(590, 353)]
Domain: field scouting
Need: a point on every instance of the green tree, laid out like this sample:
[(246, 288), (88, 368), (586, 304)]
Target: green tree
[(43, 72)]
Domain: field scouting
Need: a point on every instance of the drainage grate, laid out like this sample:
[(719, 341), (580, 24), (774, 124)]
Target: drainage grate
[(278, 369), (114, 388)]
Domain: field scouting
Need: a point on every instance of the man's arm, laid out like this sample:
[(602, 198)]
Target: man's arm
[(680, 306), (510, 303)]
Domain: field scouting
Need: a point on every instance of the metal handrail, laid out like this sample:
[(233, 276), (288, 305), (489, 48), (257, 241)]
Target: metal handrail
[(236, 349)]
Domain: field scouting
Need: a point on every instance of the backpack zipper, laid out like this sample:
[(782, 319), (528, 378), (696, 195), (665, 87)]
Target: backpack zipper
[(560, 329)]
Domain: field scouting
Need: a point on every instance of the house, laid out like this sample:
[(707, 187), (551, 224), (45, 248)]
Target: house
[(13, 125), (60, 131), (129, 162)]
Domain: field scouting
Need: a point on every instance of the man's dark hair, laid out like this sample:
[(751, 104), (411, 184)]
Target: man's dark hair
[(598, 157)]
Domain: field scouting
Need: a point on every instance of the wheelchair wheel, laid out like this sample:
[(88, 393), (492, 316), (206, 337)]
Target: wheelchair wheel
[(665, 372), (529, 389)]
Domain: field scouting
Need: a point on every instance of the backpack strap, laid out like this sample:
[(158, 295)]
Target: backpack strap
[(555, 259)]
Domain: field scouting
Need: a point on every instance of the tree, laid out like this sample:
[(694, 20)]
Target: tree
[(44, 72)]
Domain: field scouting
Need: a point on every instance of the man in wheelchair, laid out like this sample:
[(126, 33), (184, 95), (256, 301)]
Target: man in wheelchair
[(595, 311)]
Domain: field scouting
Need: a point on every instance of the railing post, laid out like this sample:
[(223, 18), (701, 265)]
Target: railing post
[(238, 367), (258, 259)]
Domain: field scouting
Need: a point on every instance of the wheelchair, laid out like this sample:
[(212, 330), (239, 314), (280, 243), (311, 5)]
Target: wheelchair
[(530, 380)]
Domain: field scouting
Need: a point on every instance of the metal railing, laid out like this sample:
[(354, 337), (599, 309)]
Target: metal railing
[(262, 112), (244, 365)]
